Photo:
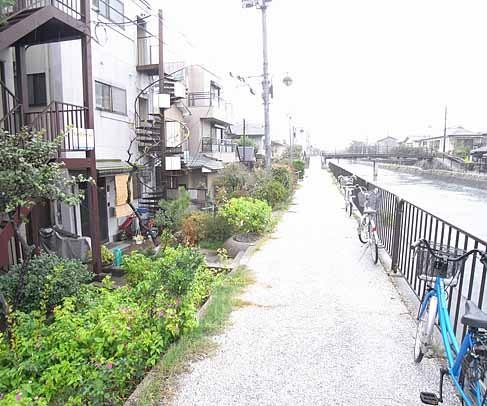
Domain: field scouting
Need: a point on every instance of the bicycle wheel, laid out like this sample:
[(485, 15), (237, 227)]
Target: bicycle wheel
[(363, 232), (374, 248), (471, 377), (424, 329)]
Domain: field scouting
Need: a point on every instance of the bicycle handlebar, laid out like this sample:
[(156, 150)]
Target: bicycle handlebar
[(424, 243)]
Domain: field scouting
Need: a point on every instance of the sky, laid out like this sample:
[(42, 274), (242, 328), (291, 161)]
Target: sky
[(361, 70)]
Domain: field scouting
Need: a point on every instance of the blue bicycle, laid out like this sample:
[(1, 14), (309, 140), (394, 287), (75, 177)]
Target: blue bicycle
[(440, 267)]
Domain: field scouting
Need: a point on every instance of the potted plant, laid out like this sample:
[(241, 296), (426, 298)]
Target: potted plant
[(139, 239)]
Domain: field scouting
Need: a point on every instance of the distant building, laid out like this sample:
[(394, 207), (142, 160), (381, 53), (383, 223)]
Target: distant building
[(253, 132), (278, 149), (457, 139), (387, 144)]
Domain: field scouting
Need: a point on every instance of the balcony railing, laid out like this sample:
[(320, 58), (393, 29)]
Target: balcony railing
[(206, 99), (71, 7), (63, 118), (209, 144)]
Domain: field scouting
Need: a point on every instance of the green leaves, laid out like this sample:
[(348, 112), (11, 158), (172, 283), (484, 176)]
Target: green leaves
[(247, 215), (29, 173), (101, 341), (172, 212)]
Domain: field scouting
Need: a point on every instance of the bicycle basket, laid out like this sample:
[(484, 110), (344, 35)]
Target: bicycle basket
[(428, 267), (369, 199)]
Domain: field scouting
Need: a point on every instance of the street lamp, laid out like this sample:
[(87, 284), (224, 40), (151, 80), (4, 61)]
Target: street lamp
[(262, 5), (288, 81)]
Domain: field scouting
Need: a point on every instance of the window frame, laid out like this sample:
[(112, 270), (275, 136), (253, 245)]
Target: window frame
[(32, 95), (110, 108), (106, 9)]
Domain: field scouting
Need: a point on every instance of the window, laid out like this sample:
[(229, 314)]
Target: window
[(36, 88), (214, 95), (216, 134), (111, 9), (110, 98)]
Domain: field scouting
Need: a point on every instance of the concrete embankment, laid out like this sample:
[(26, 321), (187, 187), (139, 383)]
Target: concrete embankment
[(463, 178)]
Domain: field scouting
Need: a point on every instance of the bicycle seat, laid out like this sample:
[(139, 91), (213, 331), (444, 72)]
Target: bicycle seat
[(474, 317)]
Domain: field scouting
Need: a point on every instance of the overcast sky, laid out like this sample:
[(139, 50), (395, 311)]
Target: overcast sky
[(361, 69)]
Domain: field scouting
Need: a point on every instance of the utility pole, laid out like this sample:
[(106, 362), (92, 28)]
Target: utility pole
[(161, 108), (265, 86), (444, 132), (244, 130), (290, 141)]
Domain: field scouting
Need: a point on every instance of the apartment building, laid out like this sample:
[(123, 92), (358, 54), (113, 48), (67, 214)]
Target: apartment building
[(86, 68), (208, 116)]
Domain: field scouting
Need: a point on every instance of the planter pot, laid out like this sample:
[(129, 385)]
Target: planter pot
[(240, 242)]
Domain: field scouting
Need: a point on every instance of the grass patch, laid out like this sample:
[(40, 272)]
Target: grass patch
[(211, 245), (198, 343)]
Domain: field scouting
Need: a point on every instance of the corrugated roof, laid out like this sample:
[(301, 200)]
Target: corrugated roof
[(203, 161), (105, 167)]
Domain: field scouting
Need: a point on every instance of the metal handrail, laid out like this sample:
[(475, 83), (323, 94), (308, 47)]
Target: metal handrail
[(401, 223), (74, 6)]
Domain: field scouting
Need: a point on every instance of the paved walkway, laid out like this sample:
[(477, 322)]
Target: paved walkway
[(326, 326)]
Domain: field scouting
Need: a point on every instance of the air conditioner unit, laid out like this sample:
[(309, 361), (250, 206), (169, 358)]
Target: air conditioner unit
[(179, 91), (162, 101)]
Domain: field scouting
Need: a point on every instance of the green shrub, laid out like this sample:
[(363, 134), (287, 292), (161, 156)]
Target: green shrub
[(217, 229), (298, 166), (194, 227), (172, 212), (247, 215), (49, 279), (107, 256), (100, 343), (284, 176), (233, 181), (271, 191)]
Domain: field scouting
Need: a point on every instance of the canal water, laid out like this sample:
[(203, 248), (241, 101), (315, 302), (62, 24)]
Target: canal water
[(463, 206)]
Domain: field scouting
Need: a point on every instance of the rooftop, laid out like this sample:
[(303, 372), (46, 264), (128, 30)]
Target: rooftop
[(204, 161)]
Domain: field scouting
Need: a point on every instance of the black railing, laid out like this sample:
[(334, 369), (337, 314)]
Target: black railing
[(401, 223), (66, 119), (73, 8)]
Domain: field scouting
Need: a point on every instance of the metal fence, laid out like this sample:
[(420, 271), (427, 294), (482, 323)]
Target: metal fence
[(401, 223)]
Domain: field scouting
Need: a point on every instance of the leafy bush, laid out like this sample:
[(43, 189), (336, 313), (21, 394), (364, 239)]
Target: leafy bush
[(233, 181), (248, 142), (298, 166), (100, 343), (283, 175), (247, 215), (172, 212), (194, 227), (107, 256), (217, 229), (271, 191), (49, 279)]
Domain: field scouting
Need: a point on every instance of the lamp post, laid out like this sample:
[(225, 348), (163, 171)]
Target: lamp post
[(287, 80), (262, 5)]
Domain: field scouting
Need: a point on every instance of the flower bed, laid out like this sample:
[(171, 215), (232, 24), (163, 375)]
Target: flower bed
[(99, 343)]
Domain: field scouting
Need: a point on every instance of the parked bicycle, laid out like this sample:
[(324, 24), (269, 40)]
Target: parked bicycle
[(347, 183), (367, 227), (440, 266)]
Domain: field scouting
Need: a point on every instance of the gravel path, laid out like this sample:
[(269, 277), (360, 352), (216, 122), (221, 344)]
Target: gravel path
[(324, 326)]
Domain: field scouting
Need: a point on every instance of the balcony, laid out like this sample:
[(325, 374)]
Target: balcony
[(211, 107), (32, 22), (63, 119), (223, 150)]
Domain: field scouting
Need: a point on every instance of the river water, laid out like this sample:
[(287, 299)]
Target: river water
[(463, 206)]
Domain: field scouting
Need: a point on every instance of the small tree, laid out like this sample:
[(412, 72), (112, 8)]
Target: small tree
[(30, 174)]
